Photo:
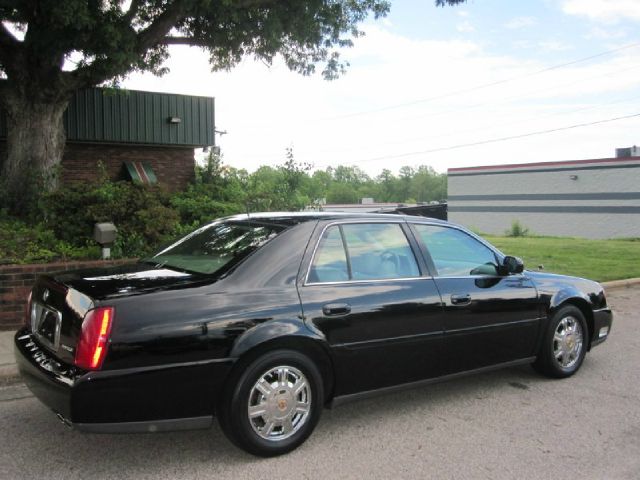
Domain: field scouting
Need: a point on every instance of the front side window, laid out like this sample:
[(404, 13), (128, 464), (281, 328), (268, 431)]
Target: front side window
[(455, 253), (363, 251)]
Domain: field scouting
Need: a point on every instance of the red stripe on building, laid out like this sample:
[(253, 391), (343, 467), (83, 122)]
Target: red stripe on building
[(141, 173), (544, 164)]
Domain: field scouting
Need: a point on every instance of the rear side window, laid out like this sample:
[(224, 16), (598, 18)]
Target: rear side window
[(217, 247), (330, 260), (364, 251), (455, 253)]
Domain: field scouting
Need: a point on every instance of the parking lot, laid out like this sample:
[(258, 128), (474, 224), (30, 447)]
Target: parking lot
[(506, 424)]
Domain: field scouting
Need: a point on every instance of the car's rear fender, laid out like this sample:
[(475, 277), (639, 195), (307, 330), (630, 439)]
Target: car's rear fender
[(283, 334)]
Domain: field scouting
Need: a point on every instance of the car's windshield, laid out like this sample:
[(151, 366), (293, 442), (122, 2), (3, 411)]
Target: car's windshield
[(217, 247)]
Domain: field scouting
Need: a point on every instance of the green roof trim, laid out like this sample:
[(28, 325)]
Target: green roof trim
[(98, 115)]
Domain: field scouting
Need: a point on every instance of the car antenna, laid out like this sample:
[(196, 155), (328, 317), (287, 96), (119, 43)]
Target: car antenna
[(248, 213)]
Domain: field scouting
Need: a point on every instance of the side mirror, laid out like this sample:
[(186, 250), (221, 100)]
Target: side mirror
[(512, 265)]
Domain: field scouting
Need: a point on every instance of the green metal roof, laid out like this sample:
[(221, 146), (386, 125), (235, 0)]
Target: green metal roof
[(99, 115)]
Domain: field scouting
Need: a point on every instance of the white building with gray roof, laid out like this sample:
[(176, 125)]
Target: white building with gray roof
[(581, 198)]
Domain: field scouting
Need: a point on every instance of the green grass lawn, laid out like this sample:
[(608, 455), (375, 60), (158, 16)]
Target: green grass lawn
[(600, 260)]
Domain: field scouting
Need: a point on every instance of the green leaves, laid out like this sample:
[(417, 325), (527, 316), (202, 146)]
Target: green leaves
[(108, 39)]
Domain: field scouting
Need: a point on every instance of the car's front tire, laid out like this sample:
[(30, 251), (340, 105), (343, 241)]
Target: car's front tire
[(273, 405), (564, 345)]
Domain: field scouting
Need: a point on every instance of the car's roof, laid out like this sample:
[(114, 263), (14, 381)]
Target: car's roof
[(299, 217)]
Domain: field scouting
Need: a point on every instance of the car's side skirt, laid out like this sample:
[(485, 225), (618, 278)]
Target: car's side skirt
[(151, 426), (336, 401)]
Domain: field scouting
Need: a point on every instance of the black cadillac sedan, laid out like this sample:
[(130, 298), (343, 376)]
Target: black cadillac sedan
[(262, 320)]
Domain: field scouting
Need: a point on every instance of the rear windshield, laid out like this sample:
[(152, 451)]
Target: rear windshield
[(215, 248)]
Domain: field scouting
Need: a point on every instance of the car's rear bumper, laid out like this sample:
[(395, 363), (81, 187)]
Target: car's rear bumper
[(166, 397), (602, 320), (50, 381)]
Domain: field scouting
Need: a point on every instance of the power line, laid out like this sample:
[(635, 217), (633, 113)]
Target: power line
[(462, 91), (486, 127), (521, 96), (491, 140), (484, 85)]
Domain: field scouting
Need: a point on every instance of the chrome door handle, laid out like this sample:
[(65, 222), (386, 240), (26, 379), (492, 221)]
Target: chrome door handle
[(460, 300), (334, 309)]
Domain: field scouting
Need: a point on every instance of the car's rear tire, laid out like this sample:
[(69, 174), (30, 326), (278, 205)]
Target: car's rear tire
[(272, 406), (564, 345)]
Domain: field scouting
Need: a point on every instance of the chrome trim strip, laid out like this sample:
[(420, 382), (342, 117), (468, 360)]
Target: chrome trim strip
[(400, 221), (342, 399), (493, 325), (374, 342), (150, 426), (373, 280), (366, 343), (117, 372), (404, 279)]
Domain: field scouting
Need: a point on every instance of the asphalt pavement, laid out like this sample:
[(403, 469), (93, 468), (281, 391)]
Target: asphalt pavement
[(509, 424)]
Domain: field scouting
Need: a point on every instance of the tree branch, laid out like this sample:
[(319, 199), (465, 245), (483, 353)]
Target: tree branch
[(156, 33), (104, 69), (161, 26), (183, 41), (134, 8), (10, 48), (6, 36)]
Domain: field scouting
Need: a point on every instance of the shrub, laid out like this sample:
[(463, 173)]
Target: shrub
[(31, 243), (141, 213), (198, 205), (517, 230)]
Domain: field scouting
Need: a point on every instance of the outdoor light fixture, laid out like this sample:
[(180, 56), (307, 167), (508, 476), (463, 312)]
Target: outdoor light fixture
[(105, 235), (174, 120)]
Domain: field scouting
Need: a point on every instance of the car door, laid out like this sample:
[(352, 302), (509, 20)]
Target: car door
[(489, 318), (368, 294)]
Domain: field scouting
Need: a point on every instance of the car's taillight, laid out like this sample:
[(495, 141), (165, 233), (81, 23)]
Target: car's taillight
[(27, 313), (92, 346)]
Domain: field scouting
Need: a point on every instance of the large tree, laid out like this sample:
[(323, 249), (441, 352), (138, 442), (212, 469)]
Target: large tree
[(50, 48)]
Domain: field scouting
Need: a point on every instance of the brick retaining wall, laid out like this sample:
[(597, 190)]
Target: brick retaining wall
[(16, 281)]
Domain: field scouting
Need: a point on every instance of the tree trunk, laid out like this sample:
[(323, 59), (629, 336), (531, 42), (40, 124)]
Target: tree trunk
[(35, 144)]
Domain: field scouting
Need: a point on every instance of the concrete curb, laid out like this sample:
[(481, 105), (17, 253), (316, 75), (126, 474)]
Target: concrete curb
[(9, 370), (9, 375), (615, 284)]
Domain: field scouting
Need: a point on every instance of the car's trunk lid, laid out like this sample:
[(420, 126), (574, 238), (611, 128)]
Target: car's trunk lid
[(59, 302)]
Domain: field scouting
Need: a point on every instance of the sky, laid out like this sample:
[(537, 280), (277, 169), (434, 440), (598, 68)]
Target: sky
[(483, 83)]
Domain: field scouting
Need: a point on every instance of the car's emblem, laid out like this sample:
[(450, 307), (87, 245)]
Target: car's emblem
[(45, 294), (282, 404)]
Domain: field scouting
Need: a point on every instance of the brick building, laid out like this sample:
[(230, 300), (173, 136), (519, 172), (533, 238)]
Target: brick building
[(133, 135)]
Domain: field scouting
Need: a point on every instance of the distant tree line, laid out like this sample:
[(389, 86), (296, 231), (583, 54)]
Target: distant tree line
[(293, 186), (58, 225)]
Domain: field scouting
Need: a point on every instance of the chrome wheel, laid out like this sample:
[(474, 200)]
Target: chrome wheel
[(279, 403), (568, 342)]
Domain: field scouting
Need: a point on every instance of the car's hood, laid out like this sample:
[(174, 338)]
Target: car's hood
[(125, 280)]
